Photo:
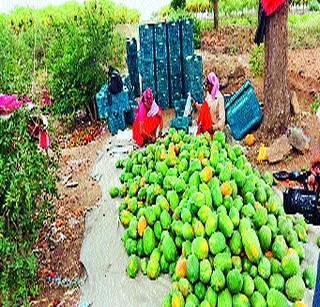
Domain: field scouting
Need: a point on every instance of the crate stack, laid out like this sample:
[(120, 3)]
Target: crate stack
[(161, 65), (193, 77), (146, 56), (174, 62), (102, 102), (168, 64), (132, 63), (117, 109)]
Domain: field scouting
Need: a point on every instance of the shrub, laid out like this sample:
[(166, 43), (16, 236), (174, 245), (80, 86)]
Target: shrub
[(316, 104), (78, 56), (27, 187), (314, 5), (256, 60), (178, 4)]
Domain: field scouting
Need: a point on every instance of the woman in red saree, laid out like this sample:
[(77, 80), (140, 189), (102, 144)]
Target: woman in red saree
[(148, 118), (211, 111)]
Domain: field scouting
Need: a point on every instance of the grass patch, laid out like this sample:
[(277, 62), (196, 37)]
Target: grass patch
[(304, 30)]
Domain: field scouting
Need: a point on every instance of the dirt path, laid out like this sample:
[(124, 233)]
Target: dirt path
[(102, 252), (63, 258)]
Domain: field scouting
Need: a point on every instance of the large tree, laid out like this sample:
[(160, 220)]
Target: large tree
[(276, 92), (215, 13)]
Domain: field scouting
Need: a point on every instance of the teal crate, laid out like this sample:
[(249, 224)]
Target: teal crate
[(243, 110), (180, 123)]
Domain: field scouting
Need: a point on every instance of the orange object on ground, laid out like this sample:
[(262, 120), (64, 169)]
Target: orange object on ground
[(204, 119)]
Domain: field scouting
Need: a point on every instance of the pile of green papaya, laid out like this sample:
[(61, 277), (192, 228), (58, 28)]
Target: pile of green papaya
[(194, 207)]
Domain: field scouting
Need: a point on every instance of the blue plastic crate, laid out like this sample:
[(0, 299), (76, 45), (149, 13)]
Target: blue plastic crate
[(146, 35), (161, 51), (243, 110), (148, 83), (131, 46), (116, 122), (120, 102), (186, 37), (180, 123), (129, 115), (175, 66), (163, 100), (101, 101)]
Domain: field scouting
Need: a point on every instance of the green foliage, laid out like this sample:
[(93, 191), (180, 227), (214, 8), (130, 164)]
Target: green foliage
[(175, 15), (198, 5), (15, 61), (304, 30), (73, 44), (76, 74), (178, 4), (27, 187), (316, 104), (256, 60), (314, 5)]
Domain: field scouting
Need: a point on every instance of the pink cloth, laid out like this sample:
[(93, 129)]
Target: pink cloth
[(9, 103), (213, 80), (140, 111)]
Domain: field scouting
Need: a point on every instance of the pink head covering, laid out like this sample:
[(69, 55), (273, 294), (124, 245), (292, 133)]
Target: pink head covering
[(213, 80), (147, 95)]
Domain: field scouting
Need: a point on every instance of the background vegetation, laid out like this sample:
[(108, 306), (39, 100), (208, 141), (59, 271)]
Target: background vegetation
[(66, 50), (41, 49)]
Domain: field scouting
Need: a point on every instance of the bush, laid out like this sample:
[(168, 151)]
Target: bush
[(77, 73), (256, 60), (72, 44), (178, 4), (314, 5), (27, 187)]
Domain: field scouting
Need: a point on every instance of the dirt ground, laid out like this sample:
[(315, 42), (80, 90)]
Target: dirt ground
[(59, 253)]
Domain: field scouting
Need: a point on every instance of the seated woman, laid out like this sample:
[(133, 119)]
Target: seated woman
[(148, 118), (212, 112)]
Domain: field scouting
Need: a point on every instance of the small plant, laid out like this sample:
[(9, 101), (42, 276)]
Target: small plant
[(256, 60), (314, 5), (316, 104)]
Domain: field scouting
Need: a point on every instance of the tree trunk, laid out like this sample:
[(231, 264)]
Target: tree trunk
[(215, 12), (276, 92)]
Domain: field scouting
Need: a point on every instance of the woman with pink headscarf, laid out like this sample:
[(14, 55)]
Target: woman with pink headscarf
[(212, 113), (148, 118)]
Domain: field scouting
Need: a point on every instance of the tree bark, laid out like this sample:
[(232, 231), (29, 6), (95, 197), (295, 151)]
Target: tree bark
[(276, 92), (215, 13)]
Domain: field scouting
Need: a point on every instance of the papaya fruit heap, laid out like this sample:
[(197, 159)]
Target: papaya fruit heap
[(195, 208)]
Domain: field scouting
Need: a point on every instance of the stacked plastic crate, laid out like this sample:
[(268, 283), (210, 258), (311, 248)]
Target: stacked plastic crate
[(116, 117), (132, 63), (193, 77), (129, 114), (191, 63), (117, 109), (161, 65), (102, 102), (174, 62), (146, 56)]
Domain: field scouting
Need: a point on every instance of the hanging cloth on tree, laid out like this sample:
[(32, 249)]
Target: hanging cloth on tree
[(270, 6), (261, 29)]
